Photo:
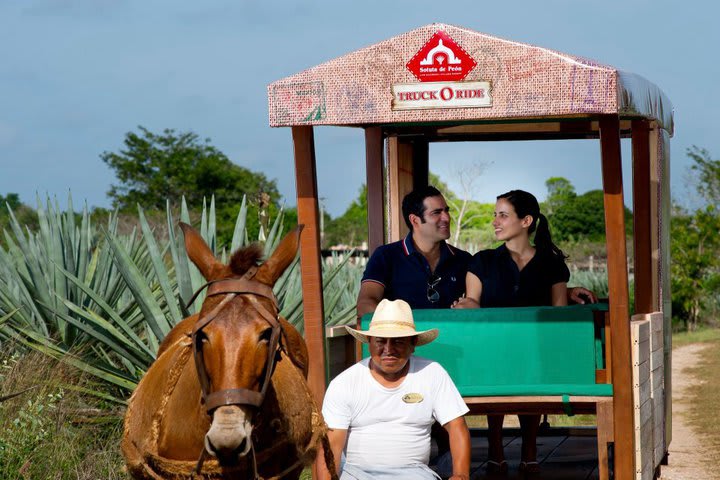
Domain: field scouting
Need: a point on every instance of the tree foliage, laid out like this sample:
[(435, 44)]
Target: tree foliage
[(576, 217), (695, 247), (351, 227), (708, 174), (695, 276), (24, 214), (152, 169)]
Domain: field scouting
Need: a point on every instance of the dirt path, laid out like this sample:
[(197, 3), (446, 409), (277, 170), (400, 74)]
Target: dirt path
[(686, 449)]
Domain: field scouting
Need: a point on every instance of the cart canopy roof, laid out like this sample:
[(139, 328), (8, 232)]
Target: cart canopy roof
[(443, 74)]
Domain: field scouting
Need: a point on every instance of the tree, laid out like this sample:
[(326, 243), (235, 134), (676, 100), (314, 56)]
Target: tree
[(560, 192), (695, 247), (466, 176), (695, 276), (153, 169), (351, 227), (708, 174)]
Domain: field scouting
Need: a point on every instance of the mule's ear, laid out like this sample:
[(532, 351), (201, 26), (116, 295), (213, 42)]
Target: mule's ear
[(282, 257), (198, 251)]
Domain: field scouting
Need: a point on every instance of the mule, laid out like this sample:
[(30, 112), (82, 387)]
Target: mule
[(227, 396)]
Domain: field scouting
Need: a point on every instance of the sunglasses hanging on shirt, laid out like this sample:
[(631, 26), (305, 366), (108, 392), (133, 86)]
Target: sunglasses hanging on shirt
[(433, 295)]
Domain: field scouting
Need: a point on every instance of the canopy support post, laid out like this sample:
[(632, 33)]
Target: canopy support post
[(408, 168), (623, 421), (375, 188), (310, 257), (642, 223)]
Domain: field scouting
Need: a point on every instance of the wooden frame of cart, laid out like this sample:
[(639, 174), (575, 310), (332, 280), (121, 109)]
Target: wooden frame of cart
[(442, 83)]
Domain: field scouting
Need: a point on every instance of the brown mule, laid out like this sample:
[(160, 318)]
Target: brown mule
[(227, 396)]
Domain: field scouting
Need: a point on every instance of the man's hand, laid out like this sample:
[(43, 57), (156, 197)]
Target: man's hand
[(581, 295)]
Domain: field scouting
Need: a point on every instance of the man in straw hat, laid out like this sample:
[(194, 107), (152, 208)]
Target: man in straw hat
[(381, 409)]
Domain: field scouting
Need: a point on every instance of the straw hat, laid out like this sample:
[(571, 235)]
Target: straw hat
[(393, 319)]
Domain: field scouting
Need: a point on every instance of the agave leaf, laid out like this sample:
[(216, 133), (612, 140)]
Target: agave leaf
[(211, 238), (180, 260), (94, 392), (137, 283), (105, 333), (160, 270), (46, 346), (274, 235), (239, 232)]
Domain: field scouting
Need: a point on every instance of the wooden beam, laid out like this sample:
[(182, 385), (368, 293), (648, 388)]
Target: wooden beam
[(655, 214), (604, 436), (618, 296), (642, 217), (376, 190), (310, 269), (400, 179), (421, 162)]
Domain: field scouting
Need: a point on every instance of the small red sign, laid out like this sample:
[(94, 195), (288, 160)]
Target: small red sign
[(441, 59)]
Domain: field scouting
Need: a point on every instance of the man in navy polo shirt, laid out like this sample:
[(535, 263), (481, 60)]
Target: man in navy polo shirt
[(422, 268)]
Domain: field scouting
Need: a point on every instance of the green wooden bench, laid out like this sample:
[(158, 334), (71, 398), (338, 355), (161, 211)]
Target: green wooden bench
[(526, 360)]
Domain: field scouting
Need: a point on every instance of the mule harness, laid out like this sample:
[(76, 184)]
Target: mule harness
[(231, 288)]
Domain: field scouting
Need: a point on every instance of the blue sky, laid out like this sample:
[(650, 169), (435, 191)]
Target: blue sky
[(76, 75)]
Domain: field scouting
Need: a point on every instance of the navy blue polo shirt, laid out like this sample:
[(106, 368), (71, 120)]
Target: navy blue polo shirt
[(405, 273), (504, 285)]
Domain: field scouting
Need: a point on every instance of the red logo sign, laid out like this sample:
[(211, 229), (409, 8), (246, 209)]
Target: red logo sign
[(441, 60)]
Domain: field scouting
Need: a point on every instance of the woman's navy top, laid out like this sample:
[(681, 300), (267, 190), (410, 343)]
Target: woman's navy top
[(503, 285)]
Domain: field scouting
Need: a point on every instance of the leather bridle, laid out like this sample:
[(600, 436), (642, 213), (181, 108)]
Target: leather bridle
[(231, 288)]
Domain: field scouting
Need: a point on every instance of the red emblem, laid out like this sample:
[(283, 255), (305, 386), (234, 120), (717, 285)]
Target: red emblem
[(441, 59)]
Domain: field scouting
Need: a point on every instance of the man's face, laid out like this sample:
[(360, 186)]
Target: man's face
[(435, 223), (390, 355)]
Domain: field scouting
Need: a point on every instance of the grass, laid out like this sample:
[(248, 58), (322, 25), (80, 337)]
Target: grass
[(53, 430), (701, 335), (705, 401)]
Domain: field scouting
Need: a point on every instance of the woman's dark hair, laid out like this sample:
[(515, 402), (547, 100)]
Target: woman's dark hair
[(525, 204)]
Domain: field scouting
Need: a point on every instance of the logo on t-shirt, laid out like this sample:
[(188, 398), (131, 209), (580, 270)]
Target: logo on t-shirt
[(412, 398)]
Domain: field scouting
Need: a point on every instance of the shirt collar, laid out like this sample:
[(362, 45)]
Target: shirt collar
[(409, 247)]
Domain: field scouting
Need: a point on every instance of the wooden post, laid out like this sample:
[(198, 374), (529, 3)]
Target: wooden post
[(400, 178), (421, 162), (310, 257), (642, 218), (604, 436), (618, 293), (375, 188)]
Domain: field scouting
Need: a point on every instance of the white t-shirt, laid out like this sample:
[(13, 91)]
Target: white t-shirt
[(391, 426)]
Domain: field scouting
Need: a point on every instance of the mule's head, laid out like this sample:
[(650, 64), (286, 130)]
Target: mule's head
[(236, 337)]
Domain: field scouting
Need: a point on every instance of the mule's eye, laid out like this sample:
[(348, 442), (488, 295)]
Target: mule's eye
[(201, 337), (265, 335)]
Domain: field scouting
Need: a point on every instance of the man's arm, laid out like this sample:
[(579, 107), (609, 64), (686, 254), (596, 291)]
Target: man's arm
[(370, 295), (337, 440), (459, 448)]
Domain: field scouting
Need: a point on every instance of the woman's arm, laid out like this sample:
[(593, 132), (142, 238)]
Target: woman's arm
[(473, 291), (559, 294)]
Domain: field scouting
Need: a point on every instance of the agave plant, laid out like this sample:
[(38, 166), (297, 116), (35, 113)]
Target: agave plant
[(102, 301)]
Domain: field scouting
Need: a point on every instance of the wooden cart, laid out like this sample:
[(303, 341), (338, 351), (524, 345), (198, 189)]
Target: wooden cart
[(442, 83)]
